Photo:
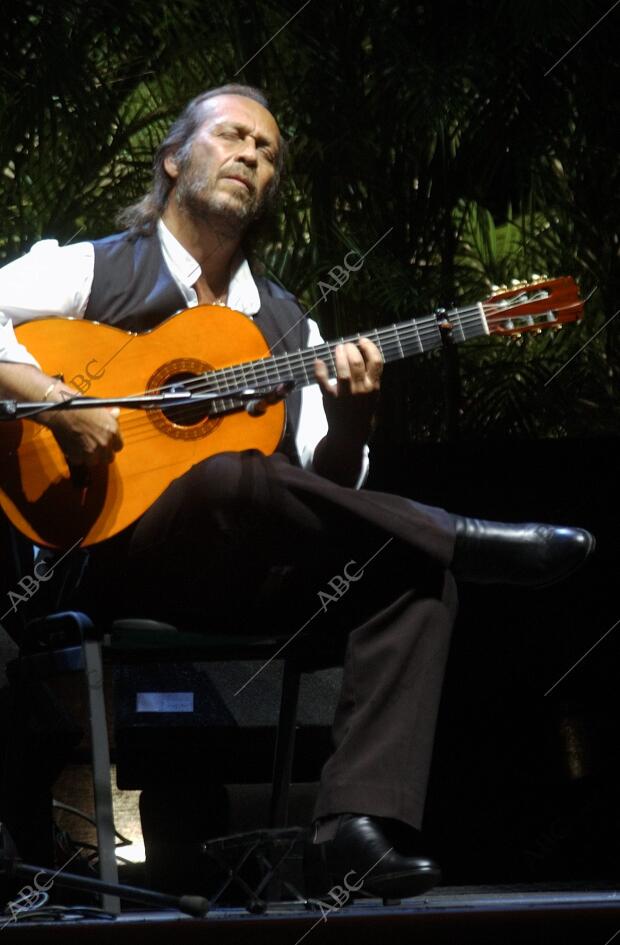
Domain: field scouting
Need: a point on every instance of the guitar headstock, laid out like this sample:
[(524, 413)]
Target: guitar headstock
[(533, 306)]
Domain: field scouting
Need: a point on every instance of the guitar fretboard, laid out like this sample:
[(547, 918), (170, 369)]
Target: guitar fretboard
[(395, 342)]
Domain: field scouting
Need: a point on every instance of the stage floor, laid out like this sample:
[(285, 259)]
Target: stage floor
[(549, 914)]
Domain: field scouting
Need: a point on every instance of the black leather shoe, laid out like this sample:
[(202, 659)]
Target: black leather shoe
[(528, 554), (363, 857)]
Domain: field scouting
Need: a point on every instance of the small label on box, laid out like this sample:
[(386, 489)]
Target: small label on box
[(164, 702)]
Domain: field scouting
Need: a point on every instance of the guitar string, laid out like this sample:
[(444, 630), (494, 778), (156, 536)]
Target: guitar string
[(273, 362), (304, 358), (136, 425), (273, 366), (417, 330)]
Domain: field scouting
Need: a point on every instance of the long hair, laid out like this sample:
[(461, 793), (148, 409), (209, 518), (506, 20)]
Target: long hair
[(141, 218)]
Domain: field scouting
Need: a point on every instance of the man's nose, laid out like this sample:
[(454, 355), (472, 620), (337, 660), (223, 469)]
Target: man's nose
[(247, 154)]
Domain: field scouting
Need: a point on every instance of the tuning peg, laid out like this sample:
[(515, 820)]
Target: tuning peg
[(516, 282), (494, 288)]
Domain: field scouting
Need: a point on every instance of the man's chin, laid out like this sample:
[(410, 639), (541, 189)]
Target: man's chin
[(230, 217)]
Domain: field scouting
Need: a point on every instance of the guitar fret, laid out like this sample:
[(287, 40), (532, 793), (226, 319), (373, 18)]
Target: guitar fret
[(308, 358), (324, 352), (228, 376), (251, 380), (246, 375), (331, 349), (406, 341), (331, 359), (297, 367), (459, 325), (262, 372), (396, 336), (377, 340), (432, 333), (274, 373), (418, 340), (236, 380)]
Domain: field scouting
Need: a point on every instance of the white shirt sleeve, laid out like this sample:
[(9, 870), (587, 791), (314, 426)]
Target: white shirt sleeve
[(50, 280), (312, 420)]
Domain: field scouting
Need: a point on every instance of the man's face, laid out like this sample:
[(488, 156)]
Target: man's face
[(225, 179)]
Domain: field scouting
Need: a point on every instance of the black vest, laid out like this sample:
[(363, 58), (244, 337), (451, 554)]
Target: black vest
[(134, 290)]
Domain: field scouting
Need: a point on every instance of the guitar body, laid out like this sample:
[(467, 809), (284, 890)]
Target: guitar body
[(36, 488)]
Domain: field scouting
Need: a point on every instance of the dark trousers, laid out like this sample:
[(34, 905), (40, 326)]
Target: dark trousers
[(248, 543)]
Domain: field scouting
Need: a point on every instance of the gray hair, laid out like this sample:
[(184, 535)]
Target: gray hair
[(141, 217)]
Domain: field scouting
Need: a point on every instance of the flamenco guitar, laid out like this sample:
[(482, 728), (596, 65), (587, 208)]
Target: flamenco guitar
[(206, 348)]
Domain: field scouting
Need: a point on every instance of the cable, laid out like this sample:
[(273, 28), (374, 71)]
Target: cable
[(26, 909), (60, 913), (66, 841), (60, 805)]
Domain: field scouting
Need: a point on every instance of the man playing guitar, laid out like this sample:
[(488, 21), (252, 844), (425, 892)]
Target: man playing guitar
[(243, 538)]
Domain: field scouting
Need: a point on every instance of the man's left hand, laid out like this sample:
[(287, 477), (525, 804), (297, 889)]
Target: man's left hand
[(350, 403)]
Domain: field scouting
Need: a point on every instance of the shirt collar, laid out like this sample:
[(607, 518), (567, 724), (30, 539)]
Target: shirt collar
[(242, 290)]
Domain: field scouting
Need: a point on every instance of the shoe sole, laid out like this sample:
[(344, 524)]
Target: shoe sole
[(398, 885), (403, 885)]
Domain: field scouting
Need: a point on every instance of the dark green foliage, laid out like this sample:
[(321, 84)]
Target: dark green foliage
[(429, 127)]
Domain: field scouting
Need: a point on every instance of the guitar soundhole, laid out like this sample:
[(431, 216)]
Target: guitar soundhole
[(187, 421), (185, 415)]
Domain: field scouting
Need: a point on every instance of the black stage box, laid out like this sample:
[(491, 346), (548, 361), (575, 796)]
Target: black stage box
[(175, 721)]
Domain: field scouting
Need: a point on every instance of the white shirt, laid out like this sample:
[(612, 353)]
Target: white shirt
[(53, 280)]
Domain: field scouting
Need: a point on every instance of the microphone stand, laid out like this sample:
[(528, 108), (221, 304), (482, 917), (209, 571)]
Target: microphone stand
[(11, 866), (254, 400)]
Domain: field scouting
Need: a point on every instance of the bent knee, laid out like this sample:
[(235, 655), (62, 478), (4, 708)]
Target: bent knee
[(243, 478)]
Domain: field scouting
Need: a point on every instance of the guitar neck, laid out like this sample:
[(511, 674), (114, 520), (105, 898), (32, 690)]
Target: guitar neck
[(395, 342)]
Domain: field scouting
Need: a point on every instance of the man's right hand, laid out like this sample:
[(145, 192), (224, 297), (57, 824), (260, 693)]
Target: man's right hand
[(86, 437)]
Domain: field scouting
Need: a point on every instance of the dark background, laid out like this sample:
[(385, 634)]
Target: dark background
[(481, 147), (465, 136), (525, 780)]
